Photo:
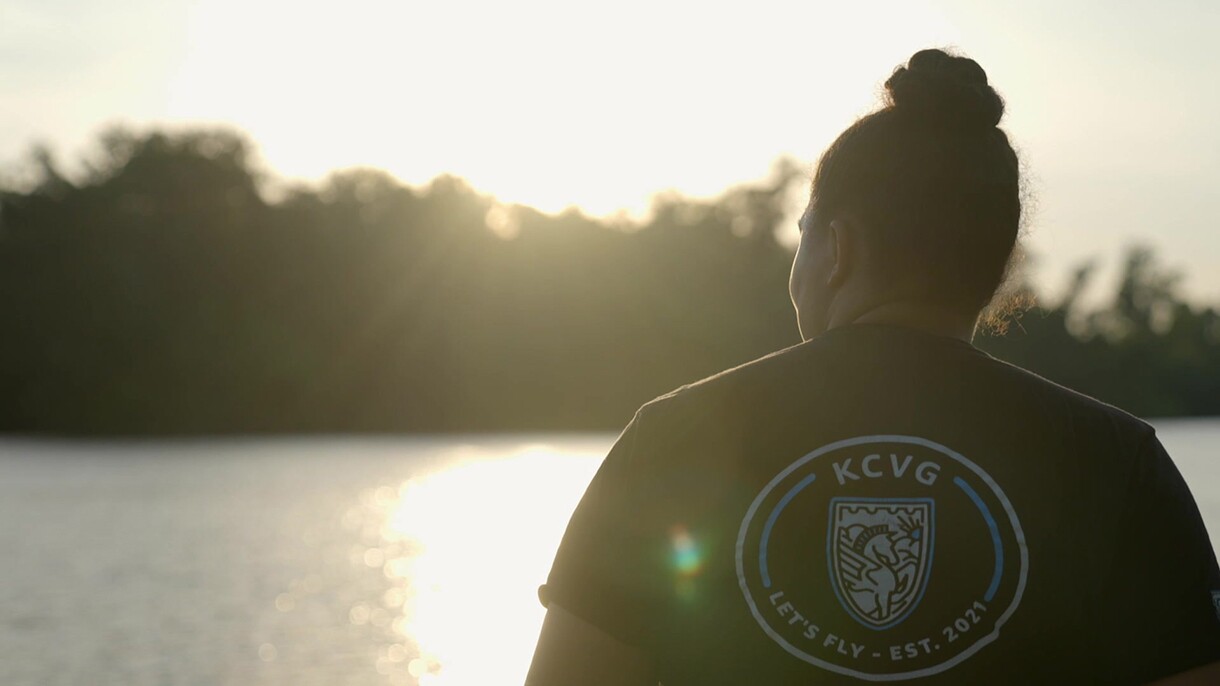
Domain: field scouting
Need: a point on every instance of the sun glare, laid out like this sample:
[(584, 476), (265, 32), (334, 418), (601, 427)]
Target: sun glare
[(542, 102)]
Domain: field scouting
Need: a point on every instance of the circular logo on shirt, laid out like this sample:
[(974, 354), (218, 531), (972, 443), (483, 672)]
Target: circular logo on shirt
[(882, 558)]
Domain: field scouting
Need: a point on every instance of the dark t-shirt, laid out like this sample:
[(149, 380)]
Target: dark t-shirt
[(881, 504)]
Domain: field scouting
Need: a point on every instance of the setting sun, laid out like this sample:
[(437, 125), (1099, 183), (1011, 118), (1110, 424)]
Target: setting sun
[(543, 103)]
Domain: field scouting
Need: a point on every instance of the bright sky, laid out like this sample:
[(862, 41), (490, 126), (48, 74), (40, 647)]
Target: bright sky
[(555, 102)]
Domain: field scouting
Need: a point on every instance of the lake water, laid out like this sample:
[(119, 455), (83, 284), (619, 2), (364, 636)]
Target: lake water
[(307, 561)]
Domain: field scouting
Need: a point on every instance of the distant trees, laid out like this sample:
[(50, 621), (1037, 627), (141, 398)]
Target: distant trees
[(161, 293), (1147, 351)]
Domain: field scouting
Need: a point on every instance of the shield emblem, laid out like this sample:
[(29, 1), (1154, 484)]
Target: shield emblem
[(880, 555)]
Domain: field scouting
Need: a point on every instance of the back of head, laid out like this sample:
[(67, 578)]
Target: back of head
[(934, 181)]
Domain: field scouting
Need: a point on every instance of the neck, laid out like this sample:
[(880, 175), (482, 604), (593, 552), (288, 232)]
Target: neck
[(931, 319)]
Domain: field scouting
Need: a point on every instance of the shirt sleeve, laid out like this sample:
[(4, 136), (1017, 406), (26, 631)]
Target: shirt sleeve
[(605, 570), (1158, 603)]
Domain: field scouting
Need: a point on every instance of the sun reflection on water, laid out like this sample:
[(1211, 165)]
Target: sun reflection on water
[(464, 551)]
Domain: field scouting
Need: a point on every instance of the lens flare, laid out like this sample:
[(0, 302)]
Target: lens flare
[(687, 562), (686, 556)]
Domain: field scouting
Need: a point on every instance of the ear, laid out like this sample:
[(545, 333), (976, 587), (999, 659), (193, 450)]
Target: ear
[(844, 248)]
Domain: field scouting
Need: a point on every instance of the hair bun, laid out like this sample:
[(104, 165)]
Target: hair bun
[(944, 90)]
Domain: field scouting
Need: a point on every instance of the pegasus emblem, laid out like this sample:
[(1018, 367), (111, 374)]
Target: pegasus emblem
[(880, 554)]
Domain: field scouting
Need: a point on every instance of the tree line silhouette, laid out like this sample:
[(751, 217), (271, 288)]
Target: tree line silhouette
[(161, 292)]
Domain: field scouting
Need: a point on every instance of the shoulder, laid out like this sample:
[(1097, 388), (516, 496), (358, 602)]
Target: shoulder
[(712, 414), (996, 387), (1058, 400), (729, 385)]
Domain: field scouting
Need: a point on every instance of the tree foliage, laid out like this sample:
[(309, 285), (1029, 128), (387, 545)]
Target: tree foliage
[(161, 293)]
